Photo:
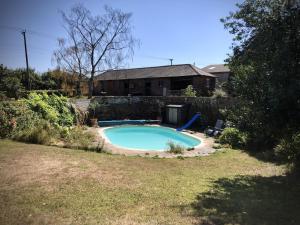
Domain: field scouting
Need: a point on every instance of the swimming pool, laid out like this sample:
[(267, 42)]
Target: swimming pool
[(148, 138)]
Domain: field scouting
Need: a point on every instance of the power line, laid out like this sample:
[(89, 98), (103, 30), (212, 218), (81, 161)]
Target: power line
[(159, 58), (11, 28), (33, 32), (42, 34)]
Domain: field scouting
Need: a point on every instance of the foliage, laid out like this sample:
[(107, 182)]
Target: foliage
[(16, 116), (233, 137), (42, 133), (93, 107), (53, 108), (289, 149), (12, 86), (79, 138), (219, 93), (12, 81), (266, 65), (175, 148), (189, 91)]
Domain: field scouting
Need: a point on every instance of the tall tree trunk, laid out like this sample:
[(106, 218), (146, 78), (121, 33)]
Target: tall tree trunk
[(91, 87), (78, 89)]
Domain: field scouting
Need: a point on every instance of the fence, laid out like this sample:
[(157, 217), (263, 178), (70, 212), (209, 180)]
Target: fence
[(151, 107)]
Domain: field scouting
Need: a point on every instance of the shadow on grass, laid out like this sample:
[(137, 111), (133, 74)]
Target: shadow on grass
[(250, 200)]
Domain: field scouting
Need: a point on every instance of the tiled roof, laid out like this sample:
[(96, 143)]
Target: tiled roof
[(216, 68), (153, 72)]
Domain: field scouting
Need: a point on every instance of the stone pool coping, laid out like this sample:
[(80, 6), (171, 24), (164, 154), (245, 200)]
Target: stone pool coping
[(205, 148)]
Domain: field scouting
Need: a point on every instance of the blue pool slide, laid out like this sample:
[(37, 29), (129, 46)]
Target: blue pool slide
[(189, 123)]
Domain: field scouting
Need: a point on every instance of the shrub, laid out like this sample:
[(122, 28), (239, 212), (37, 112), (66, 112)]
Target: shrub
[(79, 138), (289, 149), (175, 148), (43, 133), (219, 93), (233, 137), (53, 108), (12, 86), (16, 116), (190, 91)]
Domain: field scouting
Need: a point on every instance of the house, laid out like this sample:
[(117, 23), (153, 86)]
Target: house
[(154, 81), (221, 71)]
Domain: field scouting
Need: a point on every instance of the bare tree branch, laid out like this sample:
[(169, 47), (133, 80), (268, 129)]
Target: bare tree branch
[(96, 43)]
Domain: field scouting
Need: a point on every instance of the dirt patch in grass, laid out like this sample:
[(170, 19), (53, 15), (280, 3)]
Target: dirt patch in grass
[(51, 168)]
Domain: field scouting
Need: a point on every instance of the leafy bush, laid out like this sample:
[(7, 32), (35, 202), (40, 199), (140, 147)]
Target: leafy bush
[(53, 108), (260, 134), (12, 86), (233, 137), (190, 91), (16, 116), (219, 93), (43, 133), (175, 148), (289, 149)]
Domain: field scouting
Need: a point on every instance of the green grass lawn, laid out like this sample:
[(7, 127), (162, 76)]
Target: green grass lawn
[(49, 185)]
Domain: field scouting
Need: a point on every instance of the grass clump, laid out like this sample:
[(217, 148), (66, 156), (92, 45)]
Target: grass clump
[(175, 148), (80, 138)]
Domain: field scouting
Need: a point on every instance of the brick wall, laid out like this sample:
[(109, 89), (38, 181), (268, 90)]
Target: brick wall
[(150, 107)]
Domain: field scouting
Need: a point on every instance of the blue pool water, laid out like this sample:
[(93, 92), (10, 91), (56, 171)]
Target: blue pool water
[(148, 138)]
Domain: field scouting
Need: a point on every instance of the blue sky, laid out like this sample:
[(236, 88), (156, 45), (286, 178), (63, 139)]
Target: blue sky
[(189, 31)]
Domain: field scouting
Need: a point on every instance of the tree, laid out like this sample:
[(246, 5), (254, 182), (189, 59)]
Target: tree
[(70, 57), (101, 42), (266, 67)]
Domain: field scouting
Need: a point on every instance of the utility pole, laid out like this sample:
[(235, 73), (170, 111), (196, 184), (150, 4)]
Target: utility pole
[(26, 56), (171, 61)]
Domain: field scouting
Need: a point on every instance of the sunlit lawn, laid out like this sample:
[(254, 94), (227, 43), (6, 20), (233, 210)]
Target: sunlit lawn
[(49, 185)]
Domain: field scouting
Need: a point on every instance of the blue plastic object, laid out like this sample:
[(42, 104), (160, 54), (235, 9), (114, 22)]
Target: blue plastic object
[(189, 123)]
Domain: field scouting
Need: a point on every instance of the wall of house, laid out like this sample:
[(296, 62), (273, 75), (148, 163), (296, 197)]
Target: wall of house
[(221, 78), (150, 107), (204, 84), (139, 86)]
